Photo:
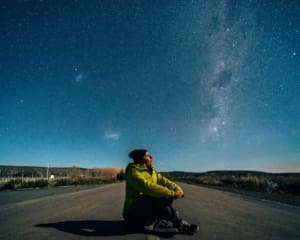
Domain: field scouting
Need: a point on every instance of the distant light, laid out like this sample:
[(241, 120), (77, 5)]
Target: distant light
[(294, 53), (79, 78)]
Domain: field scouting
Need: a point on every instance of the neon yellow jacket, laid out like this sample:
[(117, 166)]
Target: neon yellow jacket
[(143, 181)]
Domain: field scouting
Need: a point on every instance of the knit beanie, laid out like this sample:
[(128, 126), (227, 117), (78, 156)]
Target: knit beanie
[(137, 154)]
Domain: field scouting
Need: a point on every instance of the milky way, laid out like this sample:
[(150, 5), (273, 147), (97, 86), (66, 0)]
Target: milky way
[(228, 41)]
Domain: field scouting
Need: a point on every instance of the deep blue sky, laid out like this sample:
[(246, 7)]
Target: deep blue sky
[(204, 85)]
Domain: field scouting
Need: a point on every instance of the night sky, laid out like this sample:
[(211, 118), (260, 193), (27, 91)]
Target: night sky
[(203, 85)]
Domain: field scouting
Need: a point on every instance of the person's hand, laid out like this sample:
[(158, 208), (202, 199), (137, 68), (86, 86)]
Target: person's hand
[(178, 195)]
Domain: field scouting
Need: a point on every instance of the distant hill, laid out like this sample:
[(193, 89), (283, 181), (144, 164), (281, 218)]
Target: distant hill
[(219, 173)]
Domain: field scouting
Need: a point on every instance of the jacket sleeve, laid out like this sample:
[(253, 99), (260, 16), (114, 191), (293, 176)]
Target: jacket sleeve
[(145, 185), (168, 183)]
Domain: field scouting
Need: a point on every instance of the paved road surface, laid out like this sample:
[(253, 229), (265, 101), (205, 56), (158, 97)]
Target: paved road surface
[(96, 214)]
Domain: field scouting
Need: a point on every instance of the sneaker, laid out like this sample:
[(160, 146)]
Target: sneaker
[(164, 226), (149, 226), (187, 228)]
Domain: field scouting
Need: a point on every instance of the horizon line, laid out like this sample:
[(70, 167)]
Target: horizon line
[(277, 171)]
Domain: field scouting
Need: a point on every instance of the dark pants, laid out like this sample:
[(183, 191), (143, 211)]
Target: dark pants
[(148, 209)]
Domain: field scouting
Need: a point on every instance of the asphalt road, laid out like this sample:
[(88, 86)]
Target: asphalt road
[(96, 214)]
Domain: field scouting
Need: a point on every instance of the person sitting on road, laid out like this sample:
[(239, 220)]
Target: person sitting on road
[(149, 197)]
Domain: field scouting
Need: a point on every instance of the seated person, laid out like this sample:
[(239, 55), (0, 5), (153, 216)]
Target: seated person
[(149, 198)]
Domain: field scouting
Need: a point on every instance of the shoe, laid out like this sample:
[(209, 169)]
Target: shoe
[(187, 228), (164, 226), (149, 227)]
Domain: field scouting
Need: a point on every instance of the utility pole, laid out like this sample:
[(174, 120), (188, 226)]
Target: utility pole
[(48, 172)]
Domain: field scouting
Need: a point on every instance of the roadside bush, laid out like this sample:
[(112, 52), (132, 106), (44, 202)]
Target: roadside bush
[(12, 184), (249, 182), (121, 175), (208, 180), (62, 182), (253, 183), (88, 180), (290, 185), (229, 181), (293, 188), (76, 181), (41, 183), (15, 184)]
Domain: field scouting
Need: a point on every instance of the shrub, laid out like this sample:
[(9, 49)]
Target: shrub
[(121, 175), (12, 184), (40, 183), (15, 184), (229, 181), (208, 180), (76, 181), (290, 185), (62, 182), (252, 183)]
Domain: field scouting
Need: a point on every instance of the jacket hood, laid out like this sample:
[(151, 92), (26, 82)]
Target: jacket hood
[(138, 166)]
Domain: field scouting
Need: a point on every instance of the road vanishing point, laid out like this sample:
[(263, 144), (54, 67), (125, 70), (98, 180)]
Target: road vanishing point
[(96, 213)]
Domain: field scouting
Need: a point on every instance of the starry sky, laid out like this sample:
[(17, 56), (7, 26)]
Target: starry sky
[(203, 85)]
